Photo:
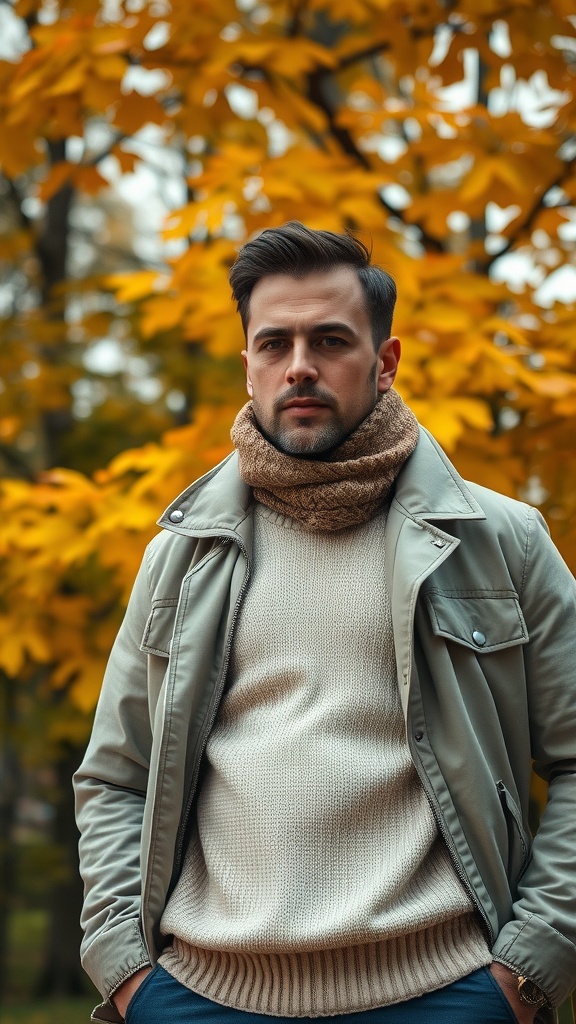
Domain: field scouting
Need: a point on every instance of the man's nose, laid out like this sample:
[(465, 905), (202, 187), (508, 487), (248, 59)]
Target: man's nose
[(301, 365)]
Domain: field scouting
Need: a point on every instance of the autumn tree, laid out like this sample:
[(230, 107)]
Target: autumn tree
[(441, 133)]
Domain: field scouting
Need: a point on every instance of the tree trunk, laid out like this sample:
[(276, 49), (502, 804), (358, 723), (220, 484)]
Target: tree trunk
[(9, 789), (52, 252), (61, 973)]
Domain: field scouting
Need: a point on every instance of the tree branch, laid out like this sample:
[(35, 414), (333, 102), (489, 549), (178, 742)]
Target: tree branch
[(316, 93), (369, 51), (526, 226)]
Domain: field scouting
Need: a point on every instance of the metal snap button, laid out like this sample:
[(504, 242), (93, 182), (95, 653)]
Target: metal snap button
[(176, 516), (478, 638)]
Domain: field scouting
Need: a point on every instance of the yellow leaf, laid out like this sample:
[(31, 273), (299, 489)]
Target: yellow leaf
[(37, 646), (443, 317), (110, 67), (162, 313), (448, 419), (12, 652), (550, 385), (475, 413), (131, 287), (72, 80), (477, 182), (111, 41), (99, 94)]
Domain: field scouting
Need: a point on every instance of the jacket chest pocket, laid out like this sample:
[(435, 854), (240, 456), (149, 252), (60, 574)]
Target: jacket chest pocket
[(482, 620), (159, 630)]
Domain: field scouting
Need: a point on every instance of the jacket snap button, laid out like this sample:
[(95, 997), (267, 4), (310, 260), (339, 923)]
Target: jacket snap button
[(418, 736), (176, 516), (478, 638)]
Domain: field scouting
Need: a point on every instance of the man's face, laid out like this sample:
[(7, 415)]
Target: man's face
[(311, 367)]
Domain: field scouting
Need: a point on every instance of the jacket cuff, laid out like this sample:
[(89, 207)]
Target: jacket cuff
[(114, 956), (107, 1012), (537, 950)]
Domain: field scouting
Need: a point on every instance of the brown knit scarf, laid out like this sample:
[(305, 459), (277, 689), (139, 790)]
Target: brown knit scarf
[(350, 487)]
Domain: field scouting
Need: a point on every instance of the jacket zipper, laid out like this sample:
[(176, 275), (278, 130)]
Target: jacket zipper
[(447, 837), (209, 722)]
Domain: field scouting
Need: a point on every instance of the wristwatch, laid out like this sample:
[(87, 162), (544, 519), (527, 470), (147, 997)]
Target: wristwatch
[(530, 993)]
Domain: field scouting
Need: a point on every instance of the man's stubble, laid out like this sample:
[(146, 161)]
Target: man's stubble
[(324, 439)]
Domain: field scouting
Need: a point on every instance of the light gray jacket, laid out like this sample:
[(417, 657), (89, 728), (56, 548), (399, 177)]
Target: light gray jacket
[(484, 617)]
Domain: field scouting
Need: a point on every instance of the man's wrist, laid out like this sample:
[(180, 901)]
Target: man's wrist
[(123, 994), (529, 992), (508, 980)]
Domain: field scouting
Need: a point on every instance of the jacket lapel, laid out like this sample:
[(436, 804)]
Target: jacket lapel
[(429, 491)]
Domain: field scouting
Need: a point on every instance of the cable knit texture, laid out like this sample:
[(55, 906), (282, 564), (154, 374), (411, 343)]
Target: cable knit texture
[(315, 881), (349, 487)]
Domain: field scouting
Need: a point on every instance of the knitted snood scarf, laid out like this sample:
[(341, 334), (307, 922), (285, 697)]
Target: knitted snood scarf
[(349, 488)]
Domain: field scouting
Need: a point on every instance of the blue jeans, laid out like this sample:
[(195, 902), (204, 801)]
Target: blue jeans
[(475, 999)]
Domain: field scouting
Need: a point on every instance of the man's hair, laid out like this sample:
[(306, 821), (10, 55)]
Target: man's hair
[(298, 251)]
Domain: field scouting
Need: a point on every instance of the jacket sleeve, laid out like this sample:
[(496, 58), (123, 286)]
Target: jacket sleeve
[(540, 940), (110, 788)]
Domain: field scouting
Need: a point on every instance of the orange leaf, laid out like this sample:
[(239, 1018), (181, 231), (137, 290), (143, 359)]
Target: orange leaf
[(134, 111), (89, 179), (58, 176)]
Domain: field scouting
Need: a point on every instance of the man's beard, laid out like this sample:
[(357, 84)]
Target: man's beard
[(307, 443), (294, 442)]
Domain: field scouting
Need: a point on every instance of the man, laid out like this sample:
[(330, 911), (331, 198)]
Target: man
[(307, 786)]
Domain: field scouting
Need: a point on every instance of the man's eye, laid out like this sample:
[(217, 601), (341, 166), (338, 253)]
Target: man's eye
[(331, 341), (273, 344)]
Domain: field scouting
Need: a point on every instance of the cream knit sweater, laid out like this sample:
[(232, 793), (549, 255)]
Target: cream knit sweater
[(315, 881)]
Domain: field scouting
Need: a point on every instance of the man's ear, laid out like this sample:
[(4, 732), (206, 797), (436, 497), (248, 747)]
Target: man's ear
[(388, 359), (249, 388)]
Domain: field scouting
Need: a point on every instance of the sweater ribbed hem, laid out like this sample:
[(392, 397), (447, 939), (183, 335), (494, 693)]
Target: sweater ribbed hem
[(333, 981)]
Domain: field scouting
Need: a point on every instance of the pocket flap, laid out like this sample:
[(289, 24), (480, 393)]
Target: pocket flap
[(482, 620), (160, 627)]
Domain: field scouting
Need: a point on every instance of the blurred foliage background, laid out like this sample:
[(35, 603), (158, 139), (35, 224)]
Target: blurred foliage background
[(140, 144)]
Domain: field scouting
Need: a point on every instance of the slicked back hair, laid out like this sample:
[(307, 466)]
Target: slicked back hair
[(296, 250)]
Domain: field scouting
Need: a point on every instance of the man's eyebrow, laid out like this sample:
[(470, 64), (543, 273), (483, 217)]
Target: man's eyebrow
[(330, 327), (271, 332), (333, 327)]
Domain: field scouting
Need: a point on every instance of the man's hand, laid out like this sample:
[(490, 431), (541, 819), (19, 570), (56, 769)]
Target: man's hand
[(123, 995), (508, 982)]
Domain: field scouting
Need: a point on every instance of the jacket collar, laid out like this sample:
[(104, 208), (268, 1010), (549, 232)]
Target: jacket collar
[(216, 503), (428, 487)]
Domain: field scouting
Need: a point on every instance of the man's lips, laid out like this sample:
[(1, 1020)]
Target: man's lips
[(305, 403)]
